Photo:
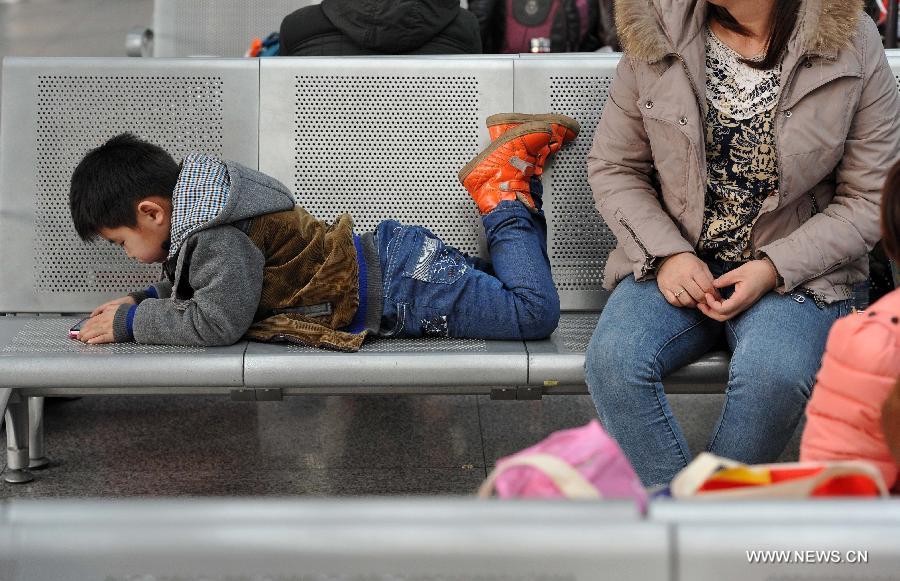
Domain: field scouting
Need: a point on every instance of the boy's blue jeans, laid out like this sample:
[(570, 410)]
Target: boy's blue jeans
[(777, 347), (431, 289)]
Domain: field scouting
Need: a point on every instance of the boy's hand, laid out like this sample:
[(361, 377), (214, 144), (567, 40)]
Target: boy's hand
[(751, 281), (99, 329), (113, 304)]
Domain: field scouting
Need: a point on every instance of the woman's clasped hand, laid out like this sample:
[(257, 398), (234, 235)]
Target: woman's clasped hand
[(686, 281)]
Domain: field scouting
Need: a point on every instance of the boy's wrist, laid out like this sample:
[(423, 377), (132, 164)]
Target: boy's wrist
[(142, 295), (123, 321), (139, 296)]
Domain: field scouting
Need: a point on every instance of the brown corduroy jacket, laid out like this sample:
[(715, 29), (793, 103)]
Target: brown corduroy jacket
[(310, 280)]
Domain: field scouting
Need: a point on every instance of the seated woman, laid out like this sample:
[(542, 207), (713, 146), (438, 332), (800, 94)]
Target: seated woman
[(739, 162), (844, 419), (370, 27)]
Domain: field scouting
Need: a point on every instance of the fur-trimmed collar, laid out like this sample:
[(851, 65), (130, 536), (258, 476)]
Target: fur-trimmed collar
[(823, 26)]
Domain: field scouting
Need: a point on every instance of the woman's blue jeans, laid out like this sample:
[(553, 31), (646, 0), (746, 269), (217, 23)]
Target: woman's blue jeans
[(777, 347)]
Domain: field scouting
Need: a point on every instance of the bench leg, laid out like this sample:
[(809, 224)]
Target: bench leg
[(5, 394), (17, 441), (36, 451)]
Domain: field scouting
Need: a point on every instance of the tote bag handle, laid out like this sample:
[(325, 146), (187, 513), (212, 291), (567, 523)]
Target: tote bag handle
[(567, 479), (689, 480)]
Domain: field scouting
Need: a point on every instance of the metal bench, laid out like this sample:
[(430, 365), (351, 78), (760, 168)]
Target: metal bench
[(443, 539), (351, 539), (311, 123), (814, 539)]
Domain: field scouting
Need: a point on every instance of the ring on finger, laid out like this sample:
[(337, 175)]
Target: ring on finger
[(679, 293)]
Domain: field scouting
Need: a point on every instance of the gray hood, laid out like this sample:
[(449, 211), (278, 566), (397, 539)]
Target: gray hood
[(238, 204)]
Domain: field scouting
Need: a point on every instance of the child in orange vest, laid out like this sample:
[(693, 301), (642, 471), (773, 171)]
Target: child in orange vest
[(859, 372)]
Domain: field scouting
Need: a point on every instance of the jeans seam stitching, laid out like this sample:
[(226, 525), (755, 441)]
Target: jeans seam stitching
[(659, 401), (667, 343), (392, 258), (721, 423)]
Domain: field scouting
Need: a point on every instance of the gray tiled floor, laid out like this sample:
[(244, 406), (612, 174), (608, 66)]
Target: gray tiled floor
[(127, 446), (318, 445)]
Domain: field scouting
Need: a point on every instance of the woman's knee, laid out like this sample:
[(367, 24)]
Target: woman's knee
[(614, 360), (785, 382)]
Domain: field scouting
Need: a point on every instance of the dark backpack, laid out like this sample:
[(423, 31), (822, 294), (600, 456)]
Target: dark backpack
[(567, 23)]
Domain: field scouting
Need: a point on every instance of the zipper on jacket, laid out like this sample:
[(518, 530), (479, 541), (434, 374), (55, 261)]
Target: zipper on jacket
[(815, 202), (317, 310), (648, 259), (822, 273), (800, 296)]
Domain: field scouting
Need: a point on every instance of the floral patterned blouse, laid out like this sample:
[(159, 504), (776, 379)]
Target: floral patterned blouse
[(741, 163)]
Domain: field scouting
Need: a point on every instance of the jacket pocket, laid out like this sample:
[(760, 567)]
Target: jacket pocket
[(672, 139)]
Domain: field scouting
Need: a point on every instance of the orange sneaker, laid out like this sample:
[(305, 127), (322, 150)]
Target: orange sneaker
[(565, 129), (503, 170)]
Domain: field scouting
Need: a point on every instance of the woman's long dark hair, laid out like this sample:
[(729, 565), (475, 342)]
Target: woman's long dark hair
[(784, 19), (890, 213)]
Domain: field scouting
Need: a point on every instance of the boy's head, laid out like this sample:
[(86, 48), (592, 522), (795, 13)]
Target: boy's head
[(890, 213), (122, 192)]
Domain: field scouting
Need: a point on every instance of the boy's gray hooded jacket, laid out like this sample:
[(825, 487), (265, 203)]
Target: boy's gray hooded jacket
[(261, 267)]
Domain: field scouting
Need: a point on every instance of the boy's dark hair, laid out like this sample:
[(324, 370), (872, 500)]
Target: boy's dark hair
[(890, 213), (111, 179)]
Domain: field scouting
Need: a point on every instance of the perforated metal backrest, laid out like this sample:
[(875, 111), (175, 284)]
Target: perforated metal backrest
[(54, 111), (382, 137), (216, 27), (578, 239)]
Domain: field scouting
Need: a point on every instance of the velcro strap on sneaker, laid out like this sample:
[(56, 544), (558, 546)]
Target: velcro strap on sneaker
[(515, 186), (521, 165)]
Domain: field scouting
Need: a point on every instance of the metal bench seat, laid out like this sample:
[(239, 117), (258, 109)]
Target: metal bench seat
[(843, 537), (394, 366), (405, 539), (37, 355)]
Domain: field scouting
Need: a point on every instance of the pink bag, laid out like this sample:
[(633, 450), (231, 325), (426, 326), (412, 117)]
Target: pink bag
[(578, 463)]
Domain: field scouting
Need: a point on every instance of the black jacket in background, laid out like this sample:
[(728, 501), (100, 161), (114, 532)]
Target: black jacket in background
[(601, 30), (369, 27)]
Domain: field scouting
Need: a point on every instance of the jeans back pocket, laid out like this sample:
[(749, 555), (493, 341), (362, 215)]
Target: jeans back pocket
[(436, 262)]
